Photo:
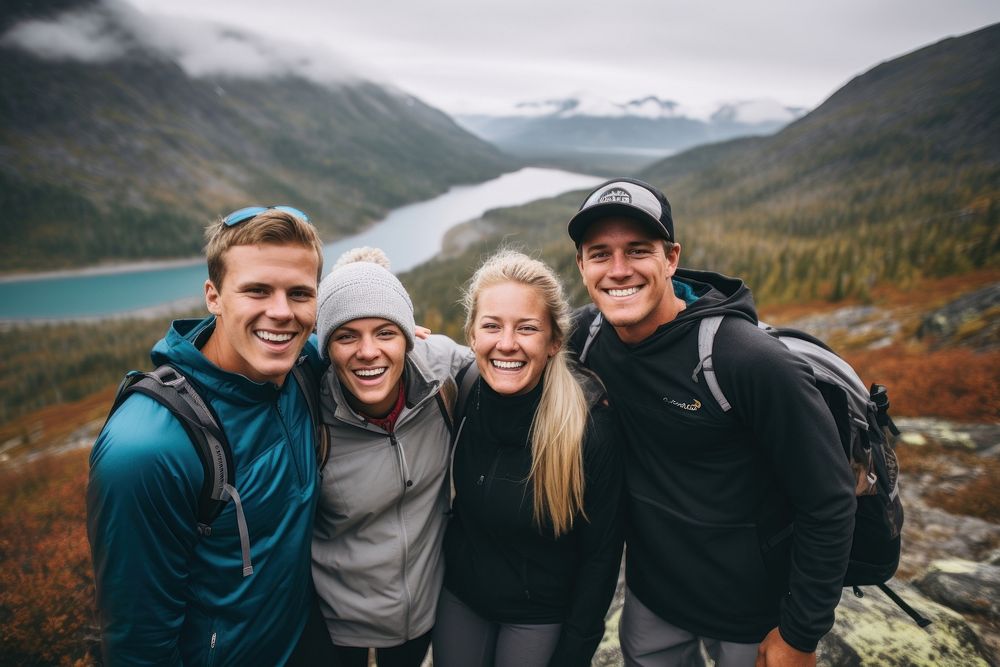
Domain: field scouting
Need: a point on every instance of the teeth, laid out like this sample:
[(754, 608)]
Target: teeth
[(369, 372), (623, 292), (510, 365), (274, 337)]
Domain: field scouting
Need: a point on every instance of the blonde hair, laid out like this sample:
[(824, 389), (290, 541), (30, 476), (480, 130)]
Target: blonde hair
[(559, 423), (272, 226)]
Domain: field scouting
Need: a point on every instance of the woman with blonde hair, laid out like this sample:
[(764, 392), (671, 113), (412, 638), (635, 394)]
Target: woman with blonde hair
[(532, 551)]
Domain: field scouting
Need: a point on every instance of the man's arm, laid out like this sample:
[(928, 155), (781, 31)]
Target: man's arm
[(145, 477), (774, 394), (445, 356)]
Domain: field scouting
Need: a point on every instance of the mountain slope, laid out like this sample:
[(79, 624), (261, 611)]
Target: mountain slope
[(897, 173), (895, 177), (131, 157)]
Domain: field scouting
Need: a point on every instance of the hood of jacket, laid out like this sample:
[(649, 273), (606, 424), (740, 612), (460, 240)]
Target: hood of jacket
[(712, 294), (180, 347), (421, 383)]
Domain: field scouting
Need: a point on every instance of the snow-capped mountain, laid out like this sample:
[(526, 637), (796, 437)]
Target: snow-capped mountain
[(648, 125)]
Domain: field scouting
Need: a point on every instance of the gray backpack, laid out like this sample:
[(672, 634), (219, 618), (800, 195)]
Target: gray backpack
[(867, 435), (172, 389)]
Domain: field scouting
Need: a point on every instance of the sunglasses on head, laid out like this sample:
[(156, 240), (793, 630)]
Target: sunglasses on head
[(244, 214)]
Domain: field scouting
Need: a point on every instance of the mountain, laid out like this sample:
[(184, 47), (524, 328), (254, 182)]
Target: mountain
[(113, 150), (649, 127), (894, 178)]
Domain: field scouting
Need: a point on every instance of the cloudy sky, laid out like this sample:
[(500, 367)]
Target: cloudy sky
[(486, 55)]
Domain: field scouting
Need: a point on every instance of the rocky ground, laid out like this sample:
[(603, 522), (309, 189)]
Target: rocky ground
[(949, 570), (950, 564)]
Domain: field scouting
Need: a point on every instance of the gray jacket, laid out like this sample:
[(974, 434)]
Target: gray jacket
[(377, 561)]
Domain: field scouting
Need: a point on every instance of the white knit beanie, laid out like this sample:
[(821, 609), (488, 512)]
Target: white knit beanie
[(361, 285)]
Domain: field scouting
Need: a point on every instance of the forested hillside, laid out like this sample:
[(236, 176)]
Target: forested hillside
[(896, 176), (131, 157)]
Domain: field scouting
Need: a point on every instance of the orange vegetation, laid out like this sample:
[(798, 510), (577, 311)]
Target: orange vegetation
[(47, 614), (53, 425), (953, 383), (927, 294)]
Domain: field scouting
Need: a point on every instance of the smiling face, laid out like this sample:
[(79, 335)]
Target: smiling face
[(512, 337), (627, 273), (369, 355), (265, 310)]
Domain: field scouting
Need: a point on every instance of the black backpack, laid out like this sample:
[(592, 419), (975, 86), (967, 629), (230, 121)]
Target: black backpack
[(867, 435), (169, 387)]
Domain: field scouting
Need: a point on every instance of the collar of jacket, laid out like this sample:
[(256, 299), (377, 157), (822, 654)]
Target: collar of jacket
[(181, 347), (421, 386)]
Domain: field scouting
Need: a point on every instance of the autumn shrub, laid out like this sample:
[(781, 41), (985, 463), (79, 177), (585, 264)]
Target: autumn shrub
[(47, 612), (953, 383), (979, 497)]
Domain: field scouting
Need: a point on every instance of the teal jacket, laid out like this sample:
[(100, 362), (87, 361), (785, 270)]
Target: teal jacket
[(166, 595)]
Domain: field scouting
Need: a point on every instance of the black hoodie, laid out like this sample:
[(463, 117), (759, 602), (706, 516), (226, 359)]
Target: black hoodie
[(707, 490)]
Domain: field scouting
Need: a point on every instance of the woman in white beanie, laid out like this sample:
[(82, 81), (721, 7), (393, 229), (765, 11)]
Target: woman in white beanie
[(387, 399)]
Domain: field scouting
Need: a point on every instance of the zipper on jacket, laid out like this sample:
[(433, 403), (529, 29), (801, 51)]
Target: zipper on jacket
[(401, 460), (289, 443), (524, 579), (211, 648)]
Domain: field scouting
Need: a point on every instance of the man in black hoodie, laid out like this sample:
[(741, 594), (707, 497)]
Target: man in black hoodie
[(740, 521)]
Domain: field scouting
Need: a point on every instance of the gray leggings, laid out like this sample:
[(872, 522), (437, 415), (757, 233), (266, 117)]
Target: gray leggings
[(463, 638)]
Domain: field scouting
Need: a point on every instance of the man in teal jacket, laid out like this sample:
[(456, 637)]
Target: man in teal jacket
[(167, 595)]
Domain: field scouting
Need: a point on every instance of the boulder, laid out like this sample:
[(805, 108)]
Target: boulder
[(873, 631), (973, 320), (964, 586), (870, 631)]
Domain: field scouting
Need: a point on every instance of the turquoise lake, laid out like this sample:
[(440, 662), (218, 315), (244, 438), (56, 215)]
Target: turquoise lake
[(409, 235)]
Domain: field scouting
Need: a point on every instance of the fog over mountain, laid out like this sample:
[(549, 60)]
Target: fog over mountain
[(122, 134), (108, 30)]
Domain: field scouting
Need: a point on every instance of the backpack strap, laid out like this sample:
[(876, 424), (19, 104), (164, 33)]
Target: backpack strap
[(446, 397), (465, 380), (881, 400), (170, 388), (595, 328), (308, 381), (707, 328)]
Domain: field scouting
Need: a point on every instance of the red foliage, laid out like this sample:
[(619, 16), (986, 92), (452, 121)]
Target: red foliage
[(954, 383), (47, 612)]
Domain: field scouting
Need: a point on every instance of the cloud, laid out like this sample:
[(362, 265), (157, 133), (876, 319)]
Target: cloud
[(112, 29), (89, 36)]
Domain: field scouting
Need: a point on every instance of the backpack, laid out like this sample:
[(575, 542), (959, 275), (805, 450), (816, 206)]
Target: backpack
[(867, 434), (169, 387)]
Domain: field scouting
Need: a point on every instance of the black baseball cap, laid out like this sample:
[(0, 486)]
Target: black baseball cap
[(629, 198)]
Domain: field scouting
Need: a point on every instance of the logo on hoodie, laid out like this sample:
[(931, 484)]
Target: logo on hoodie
[(695, 404)]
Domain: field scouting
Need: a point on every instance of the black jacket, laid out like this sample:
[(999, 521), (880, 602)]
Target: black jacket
[(708, 490), (498, 562)]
